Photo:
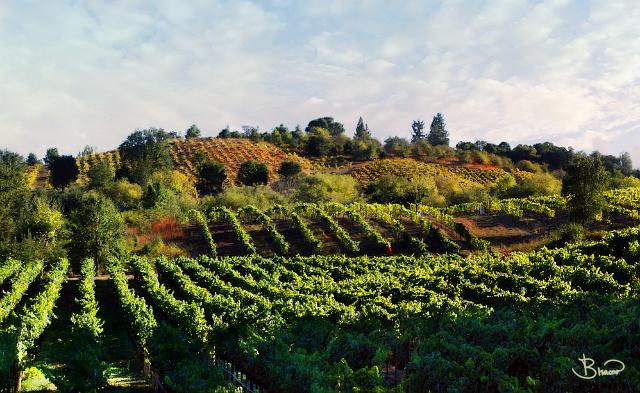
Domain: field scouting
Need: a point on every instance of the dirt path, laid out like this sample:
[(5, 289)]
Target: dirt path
[(124, 366), (509, 232), (118, 352)]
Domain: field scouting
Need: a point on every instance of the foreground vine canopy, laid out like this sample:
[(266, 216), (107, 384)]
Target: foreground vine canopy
[(408, 323)]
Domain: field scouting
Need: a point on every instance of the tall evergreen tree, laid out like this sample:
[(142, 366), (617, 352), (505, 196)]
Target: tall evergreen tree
[(438, 134), (417, 133), (362, 130)]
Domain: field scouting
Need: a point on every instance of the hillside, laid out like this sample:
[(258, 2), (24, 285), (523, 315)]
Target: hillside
[(463, 175), (376, 229), (185, 153), (231, 153)]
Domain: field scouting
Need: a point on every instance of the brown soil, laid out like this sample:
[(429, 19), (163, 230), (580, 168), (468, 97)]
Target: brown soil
[(509, 232)]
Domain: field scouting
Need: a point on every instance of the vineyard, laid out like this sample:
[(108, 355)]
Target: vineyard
[(231, 153), (340, 323), (409, 168), (375, 229), (186, 153), (623, 202), (85, 162), (325, 229)]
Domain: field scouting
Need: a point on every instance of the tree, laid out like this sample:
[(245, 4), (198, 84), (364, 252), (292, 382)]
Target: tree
[(362, 130), (100, 175), (328, 187), (251, 132), (363, 149), (417, 134), (144, 152), (193, 132), (626, 165), (396, 146), (155, 195), (523, 152), (45, 220), (87, 151), (438, 135), (13, 192), (97, 229), (224, 133), (51, 155), (63, 171), (466, 146), (585, 182), (420, 188), (328, 124), (289, 168), (211, 177), (252, 173), (557, 157), (32, 159), (319, 142)]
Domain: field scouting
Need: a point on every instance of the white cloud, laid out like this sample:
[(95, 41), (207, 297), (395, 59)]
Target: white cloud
[(90, 72)]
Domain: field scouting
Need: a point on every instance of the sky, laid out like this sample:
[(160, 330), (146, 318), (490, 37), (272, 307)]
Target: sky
[(81, 72)]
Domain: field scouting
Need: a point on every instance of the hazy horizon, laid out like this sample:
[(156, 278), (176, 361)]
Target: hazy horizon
[(78, 73)]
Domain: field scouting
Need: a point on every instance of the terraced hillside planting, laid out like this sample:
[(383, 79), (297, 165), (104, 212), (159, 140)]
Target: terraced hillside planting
[(410, 168), (324, 229), (231, 153), (112, 158), (185, 154)]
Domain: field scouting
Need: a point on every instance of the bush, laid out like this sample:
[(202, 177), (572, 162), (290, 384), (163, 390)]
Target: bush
[(621, 181), (469, 194), (289, 168), (528, 166), (319, 142), (396, 189), (454, 194), (328, 188), (97, 229), (44, 219), (424, 151), (100, 175), (261, 197), (365, 149), (155, 195), (503, 186), (177, 182), (252, 173), (569, 233), (388, 189), (397, 147), (211, 177), (125, 195), (538, 184)]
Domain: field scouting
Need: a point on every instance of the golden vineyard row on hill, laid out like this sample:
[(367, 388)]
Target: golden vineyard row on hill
[(185, 153), (410, 168)]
